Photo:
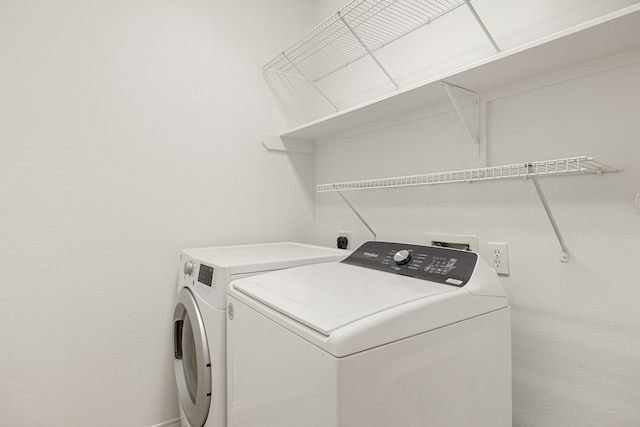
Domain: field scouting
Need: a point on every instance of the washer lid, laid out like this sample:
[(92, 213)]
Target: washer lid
[(327, 297)]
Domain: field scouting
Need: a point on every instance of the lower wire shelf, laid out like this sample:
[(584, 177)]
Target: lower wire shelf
[(568, 166), (531, 170)]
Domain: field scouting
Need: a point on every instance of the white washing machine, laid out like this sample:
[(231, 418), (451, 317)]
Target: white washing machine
[(200, 316), (393, 336)]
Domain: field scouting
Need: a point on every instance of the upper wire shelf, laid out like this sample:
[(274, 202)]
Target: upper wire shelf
[(358, 29), (568, 166)]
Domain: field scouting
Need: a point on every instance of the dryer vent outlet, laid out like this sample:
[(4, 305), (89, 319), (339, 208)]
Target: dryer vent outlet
[(455, 241), (344, 240)]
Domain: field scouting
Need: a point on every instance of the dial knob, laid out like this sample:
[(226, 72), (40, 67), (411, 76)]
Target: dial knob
[(402, 257), (188, 267)]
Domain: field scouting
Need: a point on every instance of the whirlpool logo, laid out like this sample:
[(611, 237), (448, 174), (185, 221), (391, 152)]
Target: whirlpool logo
[(371, 255)]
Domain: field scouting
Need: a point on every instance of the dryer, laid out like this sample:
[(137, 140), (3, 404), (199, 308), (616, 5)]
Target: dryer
[(394, 335), (199, 320)]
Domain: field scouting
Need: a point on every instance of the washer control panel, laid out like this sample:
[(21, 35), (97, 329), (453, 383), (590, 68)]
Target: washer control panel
[(443, 265)]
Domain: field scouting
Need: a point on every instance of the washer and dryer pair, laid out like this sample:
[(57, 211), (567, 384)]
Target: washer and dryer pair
[(394, 335), (200, 318)]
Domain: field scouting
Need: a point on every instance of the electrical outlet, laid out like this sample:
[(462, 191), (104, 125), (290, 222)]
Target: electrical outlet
[(340, 241), (499, 257)]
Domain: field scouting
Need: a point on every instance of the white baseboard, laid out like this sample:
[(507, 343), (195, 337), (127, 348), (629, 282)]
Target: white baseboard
[(171, 423)]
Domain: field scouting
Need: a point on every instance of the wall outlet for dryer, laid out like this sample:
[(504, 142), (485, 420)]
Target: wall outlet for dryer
[(344, 240), (499, 257)]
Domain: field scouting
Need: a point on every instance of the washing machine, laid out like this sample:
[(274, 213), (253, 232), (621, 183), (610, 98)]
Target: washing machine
[(200, 317), (395, 335)]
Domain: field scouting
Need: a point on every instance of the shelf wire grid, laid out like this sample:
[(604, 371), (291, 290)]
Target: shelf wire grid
[(568, 166), (331, 46)]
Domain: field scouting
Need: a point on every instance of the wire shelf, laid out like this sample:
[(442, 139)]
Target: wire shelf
[(333, 45), (568, 166)]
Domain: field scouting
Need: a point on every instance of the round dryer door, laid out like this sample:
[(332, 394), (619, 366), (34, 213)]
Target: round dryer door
[(191, 360)]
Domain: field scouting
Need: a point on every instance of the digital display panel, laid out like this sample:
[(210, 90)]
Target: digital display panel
[(205, 275)]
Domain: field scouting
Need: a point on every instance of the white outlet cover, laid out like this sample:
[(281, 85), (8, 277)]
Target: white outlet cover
[(498, 257)]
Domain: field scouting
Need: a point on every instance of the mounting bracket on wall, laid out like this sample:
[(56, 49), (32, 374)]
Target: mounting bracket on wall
[(366, 49), (291, 145), (570, 166), (362, 220), (472, 129), (565, 251)]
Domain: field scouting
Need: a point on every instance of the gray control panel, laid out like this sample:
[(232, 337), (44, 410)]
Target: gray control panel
[(443, 265)]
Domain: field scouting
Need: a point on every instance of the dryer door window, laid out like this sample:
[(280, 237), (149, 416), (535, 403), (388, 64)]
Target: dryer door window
[(192, 364)]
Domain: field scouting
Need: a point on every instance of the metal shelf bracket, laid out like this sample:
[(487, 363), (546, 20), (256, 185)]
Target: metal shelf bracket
[(473, 133), (290, 145), (484, 28), (362, 220), (366, 49), (565, 251)]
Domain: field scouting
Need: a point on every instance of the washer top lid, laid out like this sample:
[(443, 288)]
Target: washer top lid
[(326, 297), (263, 257)]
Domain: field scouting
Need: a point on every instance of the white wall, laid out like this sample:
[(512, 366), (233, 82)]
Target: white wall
[(128, 130), (575, 329)]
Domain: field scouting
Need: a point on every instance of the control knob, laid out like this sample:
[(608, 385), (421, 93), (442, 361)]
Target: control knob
[(188, 267), (402, 257)]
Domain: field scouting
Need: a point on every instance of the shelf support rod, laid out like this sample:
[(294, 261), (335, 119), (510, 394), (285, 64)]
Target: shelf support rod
[(375, 236), (458, 108), (484, 28), (344, 21), (556, 229), (310, 81)]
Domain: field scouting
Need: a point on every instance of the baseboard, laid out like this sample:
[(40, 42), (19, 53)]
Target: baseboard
[(171, 423)]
